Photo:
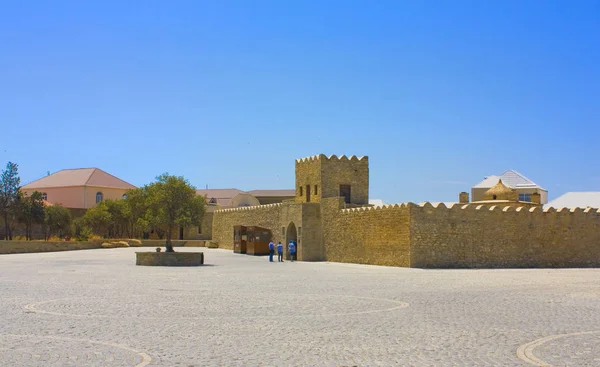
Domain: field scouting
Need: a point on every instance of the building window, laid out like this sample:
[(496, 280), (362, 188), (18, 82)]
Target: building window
[(316, 191), (212, 201), (345, 193), (199, 229), (494, 197), (124, 196), (44, 196), (99, 197), (525, 197), (300, 190)]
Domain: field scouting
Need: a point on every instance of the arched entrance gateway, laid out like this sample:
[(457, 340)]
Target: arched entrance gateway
[(291, 235)]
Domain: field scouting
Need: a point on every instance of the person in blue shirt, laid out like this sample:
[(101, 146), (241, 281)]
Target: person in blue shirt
[(271, 251), (279, 252), (292, 248)]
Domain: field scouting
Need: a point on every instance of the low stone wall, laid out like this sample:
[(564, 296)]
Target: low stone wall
[(169, 258), (176, 243), (23, 247)]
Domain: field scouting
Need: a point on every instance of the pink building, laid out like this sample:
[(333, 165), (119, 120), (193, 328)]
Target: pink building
[(80, 188)]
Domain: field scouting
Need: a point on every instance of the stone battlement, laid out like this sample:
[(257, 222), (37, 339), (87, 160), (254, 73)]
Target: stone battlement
[(456, 207), (331, 158), (246, 208)]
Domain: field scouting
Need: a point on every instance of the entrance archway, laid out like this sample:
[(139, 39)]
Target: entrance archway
[(291, 235)]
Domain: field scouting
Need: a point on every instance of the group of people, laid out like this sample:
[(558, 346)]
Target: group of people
[(291, 249)]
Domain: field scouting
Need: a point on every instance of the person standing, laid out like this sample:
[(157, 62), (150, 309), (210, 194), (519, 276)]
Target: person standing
[(292, 248), (279, 252), (271, 251)]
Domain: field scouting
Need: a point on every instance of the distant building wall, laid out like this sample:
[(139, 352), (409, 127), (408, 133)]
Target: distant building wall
[(108, 193), (78, 197), (69, 197), (477, 194), (202, 232), (264, 200)]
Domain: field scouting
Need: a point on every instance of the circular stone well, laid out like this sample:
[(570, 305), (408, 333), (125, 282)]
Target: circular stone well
[(169, 258)]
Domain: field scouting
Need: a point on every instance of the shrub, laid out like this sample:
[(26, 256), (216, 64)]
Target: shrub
[(115, 244), (84, 234), (212, 244), (134, 243)]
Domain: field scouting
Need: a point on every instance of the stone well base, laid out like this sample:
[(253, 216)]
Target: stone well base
[(169, 258)]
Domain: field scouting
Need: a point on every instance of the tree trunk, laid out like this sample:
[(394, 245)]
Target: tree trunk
[(5, 227), (169, 246)]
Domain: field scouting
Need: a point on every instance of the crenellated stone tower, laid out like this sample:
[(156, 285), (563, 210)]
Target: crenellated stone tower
[(320, 177)]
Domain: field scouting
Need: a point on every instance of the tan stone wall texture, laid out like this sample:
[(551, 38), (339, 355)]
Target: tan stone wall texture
[(175, 243), (169, 258), (191, 233), (325, 174), (378, 236), (22, 247), (267, 216), (308, 172), (503, 237), (310, 242), (347, 171)]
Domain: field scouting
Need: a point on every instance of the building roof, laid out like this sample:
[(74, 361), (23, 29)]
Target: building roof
[(222, 196), (499, 188), (79, 177), (272, 193), (576, 200), (510, 178)]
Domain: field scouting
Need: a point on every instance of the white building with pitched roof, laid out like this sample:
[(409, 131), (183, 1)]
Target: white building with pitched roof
[(572, 200), (514, 180)]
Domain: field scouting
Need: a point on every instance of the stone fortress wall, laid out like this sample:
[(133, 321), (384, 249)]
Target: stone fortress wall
[(409, 235)]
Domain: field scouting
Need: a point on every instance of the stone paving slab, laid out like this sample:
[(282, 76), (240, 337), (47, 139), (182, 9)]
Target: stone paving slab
[(96, 308)]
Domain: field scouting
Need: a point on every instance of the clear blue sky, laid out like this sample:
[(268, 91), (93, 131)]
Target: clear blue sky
[(438, 94)]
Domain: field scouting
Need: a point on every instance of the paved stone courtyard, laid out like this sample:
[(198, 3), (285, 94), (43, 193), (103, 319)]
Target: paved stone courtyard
[(96, 308)]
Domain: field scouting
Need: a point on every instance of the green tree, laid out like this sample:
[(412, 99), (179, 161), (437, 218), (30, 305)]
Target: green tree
[(57, 221), (172, 202), (119, 218), (30, 211), (136, 208), (98, 219), (9, 195)]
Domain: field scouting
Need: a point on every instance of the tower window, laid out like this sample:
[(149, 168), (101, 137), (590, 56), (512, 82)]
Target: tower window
[(316, 190), (494, 197), (300, 190)]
